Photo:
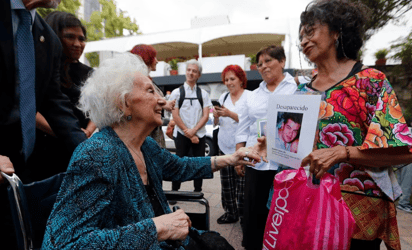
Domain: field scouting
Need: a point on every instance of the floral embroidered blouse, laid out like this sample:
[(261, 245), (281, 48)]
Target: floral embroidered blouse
[(362, 110)]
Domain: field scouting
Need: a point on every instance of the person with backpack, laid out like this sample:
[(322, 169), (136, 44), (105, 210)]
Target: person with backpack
[(226, 115), (190, 115)]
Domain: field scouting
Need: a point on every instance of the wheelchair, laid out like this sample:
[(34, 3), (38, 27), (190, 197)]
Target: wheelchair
[(31, 205), (195, 206)]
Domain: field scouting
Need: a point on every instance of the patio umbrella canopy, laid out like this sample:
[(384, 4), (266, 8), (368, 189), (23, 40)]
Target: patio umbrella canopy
[(229, 39)]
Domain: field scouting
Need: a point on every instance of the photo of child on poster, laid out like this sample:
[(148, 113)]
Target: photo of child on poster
[(288, 131)]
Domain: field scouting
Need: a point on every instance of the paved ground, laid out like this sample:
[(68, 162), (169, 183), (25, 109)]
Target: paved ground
[(233, 232)]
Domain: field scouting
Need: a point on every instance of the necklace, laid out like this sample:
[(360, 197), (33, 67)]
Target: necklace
[(140, 158)]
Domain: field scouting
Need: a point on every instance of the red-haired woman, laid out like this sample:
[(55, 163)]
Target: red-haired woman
[(231, 103), (148, 54)]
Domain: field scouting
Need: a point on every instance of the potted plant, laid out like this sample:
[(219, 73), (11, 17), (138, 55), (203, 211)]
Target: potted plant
[(380, 56), (173, 65), (253, 62)]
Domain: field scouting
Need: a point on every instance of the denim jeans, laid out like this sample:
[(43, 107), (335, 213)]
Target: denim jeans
[(405, 181)]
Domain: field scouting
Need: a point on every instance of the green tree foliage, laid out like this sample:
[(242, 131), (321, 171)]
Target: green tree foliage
[(69, 6), (107, 24), (384, 11), (403, 50), (94, 27), (114, 24), (93, 58)]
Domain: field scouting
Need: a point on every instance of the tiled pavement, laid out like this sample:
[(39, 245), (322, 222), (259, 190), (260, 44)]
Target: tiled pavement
[(233, 232)]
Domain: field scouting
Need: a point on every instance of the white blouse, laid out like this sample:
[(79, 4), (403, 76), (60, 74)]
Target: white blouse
[(228, 126), (256, 108), (190, 112)]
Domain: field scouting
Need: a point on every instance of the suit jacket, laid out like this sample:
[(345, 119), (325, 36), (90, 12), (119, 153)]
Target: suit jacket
[(50, 101)]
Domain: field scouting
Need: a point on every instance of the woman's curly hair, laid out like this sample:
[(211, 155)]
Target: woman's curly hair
[(346, 18)]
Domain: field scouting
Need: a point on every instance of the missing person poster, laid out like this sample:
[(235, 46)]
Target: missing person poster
[(291, 127)]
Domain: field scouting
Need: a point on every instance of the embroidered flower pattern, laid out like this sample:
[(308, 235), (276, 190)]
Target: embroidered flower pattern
[(336, 134), (375, 137), (326, 110), (401, 131), (361, 111), (349, 103), (395, 109)]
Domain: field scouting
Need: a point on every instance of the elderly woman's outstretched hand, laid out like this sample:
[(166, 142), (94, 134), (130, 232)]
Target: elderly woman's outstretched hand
[(247, 156), (174, 226), (250, 155), (170, 105)]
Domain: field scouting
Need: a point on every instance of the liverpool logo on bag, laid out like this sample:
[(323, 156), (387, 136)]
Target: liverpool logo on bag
[(307, 216)]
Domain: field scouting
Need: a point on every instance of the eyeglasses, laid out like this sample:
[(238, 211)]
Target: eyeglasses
[(308, 31), (266, 61)]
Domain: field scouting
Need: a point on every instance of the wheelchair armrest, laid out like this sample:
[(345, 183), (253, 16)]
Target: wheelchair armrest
[(183, 195), (20, 211), (31, 205), (199, 220)]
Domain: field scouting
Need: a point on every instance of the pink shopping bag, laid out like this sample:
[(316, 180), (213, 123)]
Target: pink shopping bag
[(307, 216)]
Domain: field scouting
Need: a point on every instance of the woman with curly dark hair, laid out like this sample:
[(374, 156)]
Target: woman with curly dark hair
[(361, 131)]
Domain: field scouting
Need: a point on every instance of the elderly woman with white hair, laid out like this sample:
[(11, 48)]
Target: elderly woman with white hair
[(111, 197)]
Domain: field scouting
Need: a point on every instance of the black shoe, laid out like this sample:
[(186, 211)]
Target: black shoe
[(172, 203), (226, 219)]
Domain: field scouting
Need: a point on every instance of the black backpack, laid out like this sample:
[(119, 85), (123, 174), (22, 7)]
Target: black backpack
[(224, 99), (183, 96)]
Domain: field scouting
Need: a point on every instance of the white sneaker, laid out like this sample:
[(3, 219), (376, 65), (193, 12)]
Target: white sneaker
[(407, 208)]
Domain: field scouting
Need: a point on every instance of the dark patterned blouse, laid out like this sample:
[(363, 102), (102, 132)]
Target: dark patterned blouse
[(103, 204)]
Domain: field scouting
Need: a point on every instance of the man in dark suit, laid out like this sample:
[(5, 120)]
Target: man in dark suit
[(48, 98), (16, 137)]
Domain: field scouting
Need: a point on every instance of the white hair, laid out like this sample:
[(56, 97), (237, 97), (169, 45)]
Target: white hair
[(195, 62), (108, 86)]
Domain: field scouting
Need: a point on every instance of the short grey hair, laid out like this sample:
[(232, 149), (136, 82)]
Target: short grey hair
[(108, 86), (195, 62)]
